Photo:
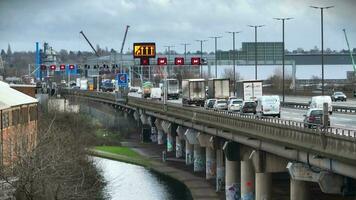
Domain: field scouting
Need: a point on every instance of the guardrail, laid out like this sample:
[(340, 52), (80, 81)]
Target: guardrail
[(341, 109), (329, 142)]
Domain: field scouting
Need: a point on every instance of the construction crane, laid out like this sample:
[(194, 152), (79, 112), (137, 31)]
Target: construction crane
[(96, 53), (122, 46), (348, 45)]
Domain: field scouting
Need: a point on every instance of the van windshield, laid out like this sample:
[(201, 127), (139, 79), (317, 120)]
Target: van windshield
[(270, 100)]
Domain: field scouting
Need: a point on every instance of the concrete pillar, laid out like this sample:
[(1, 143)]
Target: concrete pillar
[(199, 158), (247, 180), (189, 156), (160, 136), (220, 170), (299, 190), (169, 142), (154, 134), (179, 147), (232, 180), (263, 186), (210, 163)]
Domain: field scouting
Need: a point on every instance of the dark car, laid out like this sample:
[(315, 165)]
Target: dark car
[(107, 87), (313, 118), (209, 103), (338, 96), (248, 107)]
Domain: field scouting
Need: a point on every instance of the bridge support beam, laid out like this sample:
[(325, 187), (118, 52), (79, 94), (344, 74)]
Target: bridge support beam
[(247, 180), (167, 127), (160, 136), (179, 141), (233, 173), (191, 140), (199, 158), (210, 163), (299, 190), (220, 170), (189, 156), (263, 186)]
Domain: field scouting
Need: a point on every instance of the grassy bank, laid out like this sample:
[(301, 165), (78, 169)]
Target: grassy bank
[(119, 153)]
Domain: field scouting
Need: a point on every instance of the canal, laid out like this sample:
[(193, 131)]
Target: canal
[(127, 181)]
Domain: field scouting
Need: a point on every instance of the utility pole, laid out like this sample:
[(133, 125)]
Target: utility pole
[(234, 56), (165, 88), (216, 50), (256, 26), (283, 53), (322, 43), (185, 51), (201, 56)]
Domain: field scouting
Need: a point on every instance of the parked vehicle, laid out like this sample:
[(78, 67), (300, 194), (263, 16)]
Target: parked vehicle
[(220, 104), (193, 92), (268, 106), (338, 96), (313, 118), (156, 93), (218, 88), (248, 107), (146, 87), (234, 105), (209, 103), (172, 89), (249, 90), (318, 102)]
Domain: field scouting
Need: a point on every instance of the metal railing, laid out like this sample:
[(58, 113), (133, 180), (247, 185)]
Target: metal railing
[(341, 109)]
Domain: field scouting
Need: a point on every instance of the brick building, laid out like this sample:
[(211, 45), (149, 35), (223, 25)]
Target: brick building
[(18, 124)]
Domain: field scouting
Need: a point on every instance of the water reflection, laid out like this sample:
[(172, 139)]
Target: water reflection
[(127, 181)]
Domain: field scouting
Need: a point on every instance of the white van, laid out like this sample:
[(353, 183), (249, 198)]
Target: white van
[(156, 93), (268, 106), (318, 102)]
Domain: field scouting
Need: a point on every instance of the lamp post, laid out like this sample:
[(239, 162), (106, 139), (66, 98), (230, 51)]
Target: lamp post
[(165, 89), (322, 43), (216, 49), (234, 56), (283, 53), (201, 56), (256, 26), (185, 50)]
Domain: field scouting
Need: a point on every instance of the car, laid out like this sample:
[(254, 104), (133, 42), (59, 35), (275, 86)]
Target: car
[(268, 106), (338, 96), (234, 105), (230, 98), (313, 118), (107, 87), (209, 103), (318, 102), (248, 107), (220, 104)]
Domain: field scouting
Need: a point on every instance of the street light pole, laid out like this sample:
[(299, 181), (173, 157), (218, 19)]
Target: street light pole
[(216, 49), (234, 57), (283, 53), (256, 26), (185, 51), (201, 56), (322, 43), (165, 88)]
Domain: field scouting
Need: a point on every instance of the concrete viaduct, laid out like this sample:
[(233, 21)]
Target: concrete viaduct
[(241, 152)]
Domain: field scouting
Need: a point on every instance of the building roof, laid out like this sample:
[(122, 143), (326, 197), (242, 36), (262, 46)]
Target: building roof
[(10, 97)]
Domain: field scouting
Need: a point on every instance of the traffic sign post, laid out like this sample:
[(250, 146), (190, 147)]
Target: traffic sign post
[(122, 80)]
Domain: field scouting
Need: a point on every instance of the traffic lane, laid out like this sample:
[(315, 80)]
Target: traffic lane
[(299, 99), (337, 120)]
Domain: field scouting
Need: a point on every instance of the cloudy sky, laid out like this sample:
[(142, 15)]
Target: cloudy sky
[(171, 22)]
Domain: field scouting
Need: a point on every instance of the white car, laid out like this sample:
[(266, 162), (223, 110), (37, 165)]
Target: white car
[(234, 105), (220, 104), (230, 98), (268, 106)]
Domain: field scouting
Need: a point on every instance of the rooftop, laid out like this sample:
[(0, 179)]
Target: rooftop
[(10, 97)]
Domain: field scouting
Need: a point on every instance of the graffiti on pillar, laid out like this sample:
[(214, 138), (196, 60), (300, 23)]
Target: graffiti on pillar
[(160, 137), (220, 179), (154, 134), (199, 163), (189, 158), (211, 167), (169, 144), (247, 196), (233, 192), (179, 150)]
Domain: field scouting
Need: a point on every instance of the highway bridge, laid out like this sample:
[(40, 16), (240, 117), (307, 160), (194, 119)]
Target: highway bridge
[(242, 152)]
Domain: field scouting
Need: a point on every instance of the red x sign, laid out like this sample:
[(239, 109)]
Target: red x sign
[(161, 61), (179, 61), (53, 67), (62, 67), (195, 61)]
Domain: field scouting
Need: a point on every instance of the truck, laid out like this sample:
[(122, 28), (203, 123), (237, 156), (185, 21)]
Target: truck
[(156, 93), (249, 90), (83, 84), (193, 91), (172, 89), (218, 88), (146, 89)]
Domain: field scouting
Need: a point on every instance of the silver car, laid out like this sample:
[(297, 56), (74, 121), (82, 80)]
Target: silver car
[(220, 104), (235, 105)]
